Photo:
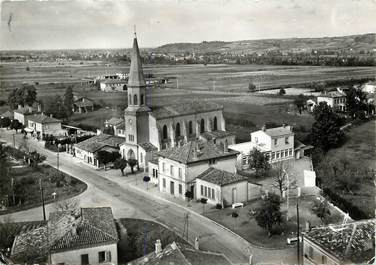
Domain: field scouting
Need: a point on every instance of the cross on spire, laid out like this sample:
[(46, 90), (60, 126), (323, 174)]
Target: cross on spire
[(134, 29)]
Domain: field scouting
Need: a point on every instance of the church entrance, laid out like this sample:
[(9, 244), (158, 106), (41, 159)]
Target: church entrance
[(131, 154)]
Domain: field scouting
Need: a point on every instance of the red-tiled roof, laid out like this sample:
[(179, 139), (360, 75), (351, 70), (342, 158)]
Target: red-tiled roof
[(218, 134), (41, 118), (220, 177), (97, 142)]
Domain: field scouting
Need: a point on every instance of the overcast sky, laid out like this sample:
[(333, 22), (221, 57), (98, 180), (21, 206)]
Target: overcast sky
[(109, 24)]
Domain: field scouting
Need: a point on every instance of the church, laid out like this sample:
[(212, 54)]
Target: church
[(148, 129)]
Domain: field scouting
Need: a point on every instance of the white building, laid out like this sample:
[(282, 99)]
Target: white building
[(178, 167), (41, 124), (369, 87), (335, 99), (113, 85)]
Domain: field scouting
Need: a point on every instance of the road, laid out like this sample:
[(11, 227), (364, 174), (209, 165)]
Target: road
[(128, 202)]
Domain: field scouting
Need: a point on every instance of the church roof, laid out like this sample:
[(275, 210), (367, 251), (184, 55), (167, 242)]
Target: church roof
[(186, 108), (136, 75)]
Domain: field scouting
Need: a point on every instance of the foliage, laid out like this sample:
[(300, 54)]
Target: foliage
[(259, 161), (54, 105), (218, 206), (105, 157), (132, 162), (203, 202), (109, 130), (269, 213), (282, 91), (326, 131), (16, 125), (300, 102), (71, 205), (5, 178), (321, 209), (356, 103), (121, 164), (279, 173), (25, 95), (251, 87), (68, 101), (5, 122), (35, 158)]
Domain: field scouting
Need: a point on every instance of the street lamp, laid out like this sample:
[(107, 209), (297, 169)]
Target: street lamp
[(58, 150)]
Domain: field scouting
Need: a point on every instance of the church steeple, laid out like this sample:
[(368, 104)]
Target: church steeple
[(136, 75)]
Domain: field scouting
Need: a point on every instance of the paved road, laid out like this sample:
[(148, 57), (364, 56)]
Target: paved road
[(128, 202)]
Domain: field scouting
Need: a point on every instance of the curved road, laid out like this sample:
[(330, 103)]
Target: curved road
[(128, 202)]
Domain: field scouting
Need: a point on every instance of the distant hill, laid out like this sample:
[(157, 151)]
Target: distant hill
[(363, 42)]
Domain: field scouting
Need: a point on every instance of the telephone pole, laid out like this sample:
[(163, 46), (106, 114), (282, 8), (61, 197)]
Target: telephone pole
[(298, 232), (42, 196)]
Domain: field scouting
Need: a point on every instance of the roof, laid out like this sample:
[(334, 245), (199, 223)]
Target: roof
[(220, 177), (114, 121), (351, 242), (121, 126), (182, 254), (94, 226), (136, 75), (216, 135), (195, 151), (97, 142), (185, 108), (113, 81), (86, 102), (7, 114), (41, 118), (148, 147), (279, 131), (332, 94)]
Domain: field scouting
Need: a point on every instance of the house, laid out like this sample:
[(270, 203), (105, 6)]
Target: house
[(113, 85), (369, 87), (181, 254), (311, 104), (113, 122), (8, 114), (349, 243), (178, 167), (87, 237), (22, 113), (276, 143), (87, 150), (223, 187), (83, 105), (335, 99), (40, 125)]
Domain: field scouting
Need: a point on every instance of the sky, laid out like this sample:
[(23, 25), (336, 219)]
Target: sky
[(76, 24)]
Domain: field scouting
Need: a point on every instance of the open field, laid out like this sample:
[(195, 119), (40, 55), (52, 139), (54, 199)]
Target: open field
[(191, 77)]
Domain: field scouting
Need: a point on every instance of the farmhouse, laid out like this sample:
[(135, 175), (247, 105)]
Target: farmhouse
[(351, 243), (22, 113), (40, 125), (167, 126), (369, 87), (87, 150), (88, 237), (112, 85), (83, 105), (335, 99), (178, 167)]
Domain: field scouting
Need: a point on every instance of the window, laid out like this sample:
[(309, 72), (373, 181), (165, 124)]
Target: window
[(85, 259), (164, 135), (277, 155), (209, 192), (131, 137), (101, 256), (286, 140), (275, 141), (190, 127), (180, 189), (130, 100), (212, 161), (141, 158), (282, 153), (206, 191), (164, 183), (180, 173), (310, 252), (256, 140), (273, 155), (202, 126), (177, 130), (213, 194), (215, 125), (142, 99), (171, 170), (154, 172), (135, 101), (202, 190), (290, 152), (163, 167), (323, 260)]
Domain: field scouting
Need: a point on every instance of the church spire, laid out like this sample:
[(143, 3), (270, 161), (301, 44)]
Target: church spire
[(136, 75)]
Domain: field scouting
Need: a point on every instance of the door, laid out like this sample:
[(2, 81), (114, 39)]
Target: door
[(234, 199), (193, 191), (172, 190)]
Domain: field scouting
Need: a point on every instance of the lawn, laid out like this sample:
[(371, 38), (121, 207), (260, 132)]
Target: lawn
[(139, 238)]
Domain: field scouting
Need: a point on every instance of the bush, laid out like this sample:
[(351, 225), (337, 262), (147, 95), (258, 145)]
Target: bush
[(218, 206)]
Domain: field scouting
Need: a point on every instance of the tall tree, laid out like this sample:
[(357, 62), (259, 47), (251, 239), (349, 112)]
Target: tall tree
[(259, 162), (16, 125), (68, 101), (106, 157), (121, 164), (280, 178), (5, 178), (25, 95), (251, 86), (5, 122), (132, 163), (269, 214), (300, 102), (326, 131), (321, 209), (356, 102)]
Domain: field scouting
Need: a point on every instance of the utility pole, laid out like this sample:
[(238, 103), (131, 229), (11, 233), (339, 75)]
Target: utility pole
[(287, 193), (297, 218), (14, 141), (42, 196)]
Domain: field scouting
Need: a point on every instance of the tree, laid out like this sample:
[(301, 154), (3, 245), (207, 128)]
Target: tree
[(25, 95), (234, 215), (132, 162), (203, 201), (300, 102), (105, 157), (16, 125), (189, 195), (109, 130), (282, 91), (279, 173), (326, 131), (146, 179), (259, 161), (251, 87), (121, 164), (5, 122), (356, 103), (68, 101), (71, 205), (321, 209), (269, 213), (35, 158), (5, 178), (55, 105)]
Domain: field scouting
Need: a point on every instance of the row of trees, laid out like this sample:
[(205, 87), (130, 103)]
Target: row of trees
[(11, 124), (24, 96)]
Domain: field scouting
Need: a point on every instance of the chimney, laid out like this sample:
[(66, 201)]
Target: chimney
[(73, 230), (39, 107), (263, 128), (158, 247), (51, 116), (19, 106), (225, 147), (30, 109), (197, 244)]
